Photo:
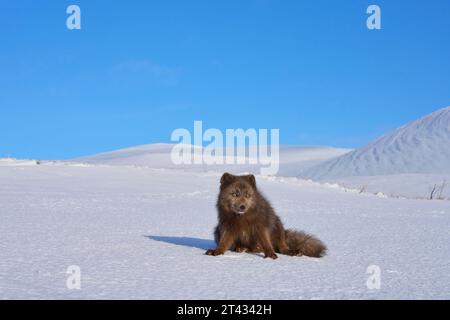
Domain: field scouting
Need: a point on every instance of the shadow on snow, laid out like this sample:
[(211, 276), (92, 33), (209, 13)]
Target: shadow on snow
[(204, 244)]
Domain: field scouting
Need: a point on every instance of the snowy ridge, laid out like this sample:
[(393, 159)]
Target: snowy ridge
[(292, 159), (421, 146), (12, 162)]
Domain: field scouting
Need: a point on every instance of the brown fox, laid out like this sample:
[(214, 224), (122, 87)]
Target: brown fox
[(248, 223)]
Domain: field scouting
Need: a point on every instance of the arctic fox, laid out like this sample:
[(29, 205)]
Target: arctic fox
[(248, 223)]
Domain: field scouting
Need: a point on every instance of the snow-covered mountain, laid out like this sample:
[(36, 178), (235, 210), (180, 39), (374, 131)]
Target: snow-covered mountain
[(422, 146), (292, 159)]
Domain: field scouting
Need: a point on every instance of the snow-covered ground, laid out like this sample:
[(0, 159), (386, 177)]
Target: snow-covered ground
[(415, 186), (11, 162), (138, 232)]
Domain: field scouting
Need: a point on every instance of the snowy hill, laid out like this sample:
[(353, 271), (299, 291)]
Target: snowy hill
[(10, 162), (422, 146), (292, 159)]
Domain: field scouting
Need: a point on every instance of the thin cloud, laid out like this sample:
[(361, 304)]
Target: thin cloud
[(146, 68)]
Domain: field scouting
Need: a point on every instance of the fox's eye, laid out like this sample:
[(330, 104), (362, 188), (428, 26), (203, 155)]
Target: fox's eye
[(248, 195), (235, 194)]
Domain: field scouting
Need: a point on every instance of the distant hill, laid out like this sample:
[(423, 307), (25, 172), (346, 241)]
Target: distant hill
[(422, 146)]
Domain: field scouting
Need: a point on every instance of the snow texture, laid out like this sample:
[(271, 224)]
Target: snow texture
[(420, 147), (139, 232)]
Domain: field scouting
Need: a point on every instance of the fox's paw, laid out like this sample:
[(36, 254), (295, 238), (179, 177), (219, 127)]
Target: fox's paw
[(213, 252), (241, 250), (272, 255)]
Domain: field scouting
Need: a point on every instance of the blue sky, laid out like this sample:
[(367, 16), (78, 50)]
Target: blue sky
[(137, 70)]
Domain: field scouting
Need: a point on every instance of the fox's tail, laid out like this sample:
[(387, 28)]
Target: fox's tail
[(305, 244)]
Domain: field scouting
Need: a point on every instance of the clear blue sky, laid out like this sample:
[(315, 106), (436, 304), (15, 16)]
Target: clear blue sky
[(139, 69)]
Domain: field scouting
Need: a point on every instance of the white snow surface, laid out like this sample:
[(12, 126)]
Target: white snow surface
[(415, 186), (139, 232), (420, 147)]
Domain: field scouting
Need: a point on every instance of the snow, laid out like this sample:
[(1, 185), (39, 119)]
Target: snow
[(416, 186), (16, 162), (406, 162), (139, 232), (293, 159), (418, 147)]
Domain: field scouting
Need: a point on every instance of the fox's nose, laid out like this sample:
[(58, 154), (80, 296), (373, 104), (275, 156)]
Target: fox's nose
[(242, 207)]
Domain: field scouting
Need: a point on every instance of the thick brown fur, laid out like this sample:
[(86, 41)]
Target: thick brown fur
[(248, 223)]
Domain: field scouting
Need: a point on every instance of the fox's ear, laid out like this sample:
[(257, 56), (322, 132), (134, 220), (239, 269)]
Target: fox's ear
[(250, 179), (226, 179)]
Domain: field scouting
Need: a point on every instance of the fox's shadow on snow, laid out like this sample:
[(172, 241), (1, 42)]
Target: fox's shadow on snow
[(186, 241)]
